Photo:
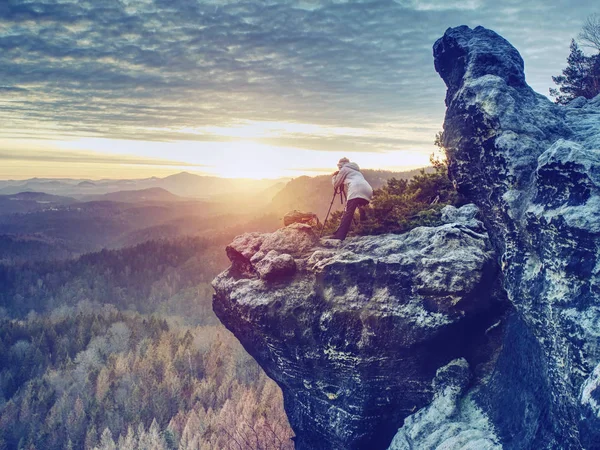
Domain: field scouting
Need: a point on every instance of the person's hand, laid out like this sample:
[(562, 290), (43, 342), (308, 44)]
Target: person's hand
[(335, 173)]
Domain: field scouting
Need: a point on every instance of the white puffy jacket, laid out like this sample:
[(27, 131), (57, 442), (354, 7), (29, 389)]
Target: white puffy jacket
[(355, 184)]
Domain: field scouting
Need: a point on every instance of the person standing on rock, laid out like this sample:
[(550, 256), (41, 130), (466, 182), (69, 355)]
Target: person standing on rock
[(358, 191)]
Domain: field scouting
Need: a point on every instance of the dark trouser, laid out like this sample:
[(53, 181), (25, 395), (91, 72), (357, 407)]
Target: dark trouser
[(351, 206)]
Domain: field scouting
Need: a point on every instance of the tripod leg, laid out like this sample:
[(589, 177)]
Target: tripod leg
[(327, 216)]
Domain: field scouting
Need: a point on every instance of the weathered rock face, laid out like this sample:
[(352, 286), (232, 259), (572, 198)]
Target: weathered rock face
[(534, 170), (355, 332), (452, 420)]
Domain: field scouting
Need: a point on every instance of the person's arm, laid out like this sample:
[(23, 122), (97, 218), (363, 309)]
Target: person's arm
[(338, 180)]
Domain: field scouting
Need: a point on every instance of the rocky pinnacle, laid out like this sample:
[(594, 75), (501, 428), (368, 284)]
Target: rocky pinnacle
[(533, 168)]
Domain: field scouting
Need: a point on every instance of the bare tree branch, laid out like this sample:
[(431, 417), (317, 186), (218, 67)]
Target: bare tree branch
[(590, 32), (232, 438), (244, 438), (255, 435)]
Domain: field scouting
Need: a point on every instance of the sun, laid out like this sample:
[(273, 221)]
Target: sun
[(247, 159)]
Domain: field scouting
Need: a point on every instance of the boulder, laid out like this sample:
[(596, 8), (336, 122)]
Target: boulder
[(250, 248), (466, 214), (452, 420), (275, 266), (296, 216)]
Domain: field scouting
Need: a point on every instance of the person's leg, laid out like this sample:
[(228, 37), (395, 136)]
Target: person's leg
[(361, 209), (344, 227)]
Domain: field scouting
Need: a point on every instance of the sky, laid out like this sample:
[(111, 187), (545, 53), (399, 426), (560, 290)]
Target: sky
[(256, 89)]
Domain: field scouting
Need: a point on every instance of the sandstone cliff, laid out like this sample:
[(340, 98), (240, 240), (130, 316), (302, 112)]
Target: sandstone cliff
[(483, 333), (534, 169)]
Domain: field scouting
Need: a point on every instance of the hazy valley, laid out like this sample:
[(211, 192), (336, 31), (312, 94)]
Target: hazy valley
[(106, 320)]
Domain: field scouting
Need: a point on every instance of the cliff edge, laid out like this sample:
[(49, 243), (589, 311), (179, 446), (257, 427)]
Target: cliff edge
[(355, 332)]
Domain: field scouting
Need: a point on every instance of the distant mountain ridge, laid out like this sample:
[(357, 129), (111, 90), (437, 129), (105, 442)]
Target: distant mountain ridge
[(40, 197), (156, 194), (23, 202), (183, 184), (65, 226)]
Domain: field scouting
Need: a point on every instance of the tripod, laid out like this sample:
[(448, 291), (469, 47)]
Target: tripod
[(335, 193)]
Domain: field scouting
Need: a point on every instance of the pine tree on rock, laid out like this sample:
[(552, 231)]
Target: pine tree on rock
[(581, 77)]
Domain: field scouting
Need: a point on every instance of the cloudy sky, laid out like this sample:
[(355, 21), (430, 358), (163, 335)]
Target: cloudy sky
[(134, 88)]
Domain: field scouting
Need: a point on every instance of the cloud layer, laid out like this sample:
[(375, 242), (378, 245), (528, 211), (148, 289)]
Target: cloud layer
[(144, 69)]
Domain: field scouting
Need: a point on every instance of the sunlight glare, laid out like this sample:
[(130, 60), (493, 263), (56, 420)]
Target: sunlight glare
[(231, 159)]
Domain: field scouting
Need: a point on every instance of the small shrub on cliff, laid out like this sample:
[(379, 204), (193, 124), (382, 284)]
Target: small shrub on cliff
[(402, 205)]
